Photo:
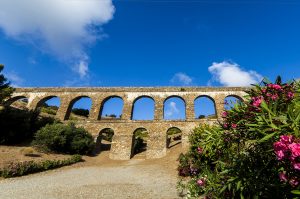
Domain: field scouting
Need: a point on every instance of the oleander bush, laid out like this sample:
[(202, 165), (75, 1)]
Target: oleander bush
[(61, 138), (28, 167), (254, 152)]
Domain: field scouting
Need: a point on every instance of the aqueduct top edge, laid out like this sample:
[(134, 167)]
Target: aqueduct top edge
[(129, 89)]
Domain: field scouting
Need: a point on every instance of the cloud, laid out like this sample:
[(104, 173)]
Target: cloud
[(64, 29), (172, 109), (14, 79), (230, 74), (182, 78)]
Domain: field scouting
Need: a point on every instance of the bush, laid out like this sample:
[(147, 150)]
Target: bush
[(253, 153), (63, 138), (20, 125), (81, 112), (27, 167), (48, 110)]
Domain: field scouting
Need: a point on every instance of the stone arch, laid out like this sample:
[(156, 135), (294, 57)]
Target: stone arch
[(103, 104), (165, 111), (42, 101), (14, 99), (139, 142), (210, 114), (173, 137), (146, 108), (230, 100), (72, 102), (104, 140)]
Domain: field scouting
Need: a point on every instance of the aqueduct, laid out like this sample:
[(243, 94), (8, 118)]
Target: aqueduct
[(125, 126)]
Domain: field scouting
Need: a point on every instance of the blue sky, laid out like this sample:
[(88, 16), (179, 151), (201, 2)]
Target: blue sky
[(149, 42)]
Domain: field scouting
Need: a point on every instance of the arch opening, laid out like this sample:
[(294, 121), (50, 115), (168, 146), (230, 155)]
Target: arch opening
[(174, 136), (79, 108), (104, 140), (143, 108), (205, 107), (174, 108), (49, 105), (230, 101), (19, 102), (112, 108), (139, 143)]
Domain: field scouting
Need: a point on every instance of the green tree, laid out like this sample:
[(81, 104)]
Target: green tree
[(5, 89)]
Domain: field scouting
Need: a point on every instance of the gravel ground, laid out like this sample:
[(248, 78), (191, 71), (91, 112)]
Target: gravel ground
[(110, 179)]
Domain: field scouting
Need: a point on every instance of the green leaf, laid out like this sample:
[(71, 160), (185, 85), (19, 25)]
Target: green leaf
[(265, 106), (267, 137), (241, 195), (296, 192), (238, 185)]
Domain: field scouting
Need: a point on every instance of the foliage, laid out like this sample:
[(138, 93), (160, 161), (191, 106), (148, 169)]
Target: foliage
[(107, 134), (139, 141), (247, 155), (63, 138), (28, 167), (81, 112), (5, 89), (49, 109), (20, 125)]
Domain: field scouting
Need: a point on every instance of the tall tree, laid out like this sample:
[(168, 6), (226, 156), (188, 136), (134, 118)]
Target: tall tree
[(5, 89)]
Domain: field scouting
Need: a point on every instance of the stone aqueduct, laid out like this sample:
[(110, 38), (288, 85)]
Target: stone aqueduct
[(124, 127)]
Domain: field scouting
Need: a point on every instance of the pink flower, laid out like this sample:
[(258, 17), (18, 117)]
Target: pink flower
[(263, 90), (201, 182), (283, 177), (286, 139), (294, 182), (274, 97), (290, 95), (274, 86), (234, 125), (280, 154), (200, 150), (296, 166), (224, 114), (225, 125), (280, 150), (257, 101), (295, 149)]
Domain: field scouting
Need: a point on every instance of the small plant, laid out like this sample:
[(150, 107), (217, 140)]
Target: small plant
[(29, 151)]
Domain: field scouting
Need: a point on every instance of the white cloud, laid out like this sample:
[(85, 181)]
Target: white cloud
[(230, 74), (172, 109), (63, 28), (82, 67), (14, 79), (182, 78)]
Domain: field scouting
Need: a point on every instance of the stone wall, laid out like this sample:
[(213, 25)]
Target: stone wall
[(124, 127)]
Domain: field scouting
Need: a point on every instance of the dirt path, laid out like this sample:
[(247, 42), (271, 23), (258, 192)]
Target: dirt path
[(100, 177)]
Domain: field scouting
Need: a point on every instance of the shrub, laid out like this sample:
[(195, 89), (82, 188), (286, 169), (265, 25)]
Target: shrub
[(20, 125), (63, 138), (81, 112), (253, 153), (49, 110), (27, 167)]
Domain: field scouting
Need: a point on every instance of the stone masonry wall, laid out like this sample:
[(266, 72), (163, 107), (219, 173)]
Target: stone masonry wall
[(123, 128)]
